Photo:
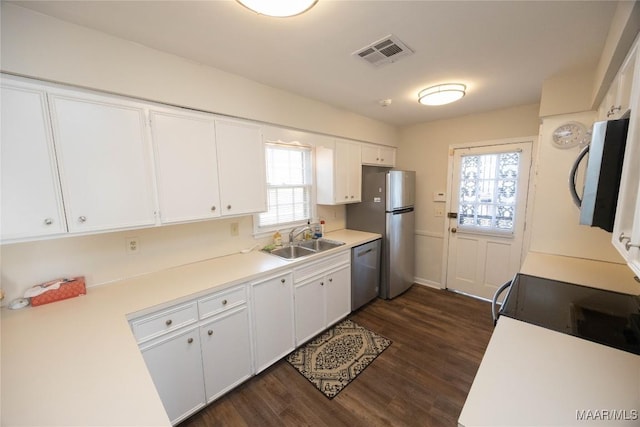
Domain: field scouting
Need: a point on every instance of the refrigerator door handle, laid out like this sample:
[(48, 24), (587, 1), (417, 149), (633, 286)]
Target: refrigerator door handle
[(401, 211)]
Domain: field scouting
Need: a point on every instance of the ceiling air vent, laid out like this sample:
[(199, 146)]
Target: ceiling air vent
[(384, 51)]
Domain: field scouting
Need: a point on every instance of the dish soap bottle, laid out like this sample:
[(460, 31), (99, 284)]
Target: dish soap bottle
[(277, 238)]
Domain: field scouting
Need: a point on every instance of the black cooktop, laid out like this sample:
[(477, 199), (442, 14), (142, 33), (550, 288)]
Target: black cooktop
[(605, 317)]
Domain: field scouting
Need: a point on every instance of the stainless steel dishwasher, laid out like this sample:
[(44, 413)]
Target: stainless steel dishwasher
[(365, 273)]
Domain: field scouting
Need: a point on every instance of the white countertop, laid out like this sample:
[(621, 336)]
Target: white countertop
[(597, 274), (532, 376), (76, 363)]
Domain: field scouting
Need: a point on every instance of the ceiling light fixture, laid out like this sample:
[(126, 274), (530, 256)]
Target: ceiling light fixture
[(278, 8), (441, 94)]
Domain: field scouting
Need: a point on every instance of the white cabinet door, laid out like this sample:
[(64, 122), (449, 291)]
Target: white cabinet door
[(241, 168), (226, 352), (310, 309), (272, 305), (626, 228), (339, 174), (31, 200), (378, 156), (387, 156), (104, 161), (186, 165), (175, 365), (338, 294)]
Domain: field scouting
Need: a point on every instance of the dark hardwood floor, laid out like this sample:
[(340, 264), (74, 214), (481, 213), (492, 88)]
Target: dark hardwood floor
[(422, 379)]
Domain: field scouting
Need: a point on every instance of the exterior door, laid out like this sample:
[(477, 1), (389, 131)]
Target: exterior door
[(486, 225)]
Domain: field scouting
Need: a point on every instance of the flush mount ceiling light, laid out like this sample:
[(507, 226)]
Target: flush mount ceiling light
[(441, 94), (278, 8)]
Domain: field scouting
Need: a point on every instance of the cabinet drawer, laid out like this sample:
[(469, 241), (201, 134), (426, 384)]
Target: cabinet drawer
[(319, 267), (156, 324), (222, 301)]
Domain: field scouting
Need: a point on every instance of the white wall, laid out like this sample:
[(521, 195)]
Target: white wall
[(425, 149), (555, 218), (35, 45)]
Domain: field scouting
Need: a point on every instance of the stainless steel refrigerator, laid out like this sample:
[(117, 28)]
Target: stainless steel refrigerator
[(387, 205)]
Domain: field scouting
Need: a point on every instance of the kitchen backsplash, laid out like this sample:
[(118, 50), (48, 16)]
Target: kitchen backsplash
[(103, 258)]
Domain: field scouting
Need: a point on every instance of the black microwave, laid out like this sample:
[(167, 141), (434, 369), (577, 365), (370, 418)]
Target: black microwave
[(602, 176)]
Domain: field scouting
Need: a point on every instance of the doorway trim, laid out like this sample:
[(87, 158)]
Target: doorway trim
[(526, 238)]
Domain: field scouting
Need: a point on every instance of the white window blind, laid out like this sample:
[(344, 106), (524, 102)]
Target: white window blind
[(288, 186)]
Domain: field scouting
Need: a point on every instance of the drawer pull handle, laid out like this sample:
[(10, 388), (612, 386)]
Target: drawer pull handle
[(190, 340), (224, 302), (48, 221), (210, 332), (168, 322), (82, 218)]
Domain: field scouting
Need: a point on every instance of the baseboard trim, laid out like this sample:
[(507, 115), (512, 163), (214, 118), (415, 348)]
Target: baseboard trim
[(429, 283)]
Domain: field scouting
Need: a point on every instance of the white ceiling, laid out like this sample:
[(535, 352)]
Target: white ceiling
[(502, 51)]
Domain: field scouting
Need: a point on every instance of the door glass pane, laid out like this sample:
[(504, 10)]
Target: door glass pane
[(488, 187)]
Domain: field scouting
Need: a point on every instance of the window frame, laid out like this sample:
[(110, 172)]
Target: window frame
[(263, 231)]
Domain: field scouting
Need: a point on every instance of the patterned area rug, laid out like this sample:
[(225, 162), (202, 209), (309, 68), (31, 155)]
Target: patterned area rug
[(337, 356)]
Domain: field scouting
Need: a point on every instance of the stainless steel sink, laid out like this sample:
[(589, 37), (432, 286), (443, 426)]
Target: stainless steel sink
[(292, 252), (305, 248), (320, 245)]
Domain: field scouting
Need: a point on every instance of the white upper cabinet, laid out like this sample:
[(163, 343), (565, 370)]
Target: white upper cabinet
[(618, 99), (30, 194), (373, 155), (339, 173), (186, 164), (104, 161), (626, 229), (241, 168)]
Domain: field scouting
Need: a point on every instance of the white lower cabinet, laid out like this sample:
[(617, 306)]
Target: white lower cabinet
[(272, 305), (200, 349), (322, 296), (197, 351), (226, 352), (175, 364)]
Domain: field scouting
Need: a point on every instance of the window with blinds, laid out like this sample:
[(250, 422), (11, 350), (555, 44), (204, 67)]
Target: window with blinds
[(288, 186)]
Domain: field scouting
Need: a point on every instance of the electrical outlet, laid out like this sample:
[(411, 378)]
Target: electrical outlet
[(234, 229), (132, 245)]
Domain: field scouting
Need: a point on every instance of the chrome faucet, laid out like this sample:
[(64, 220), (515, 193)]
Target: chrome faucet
[(293, 234)]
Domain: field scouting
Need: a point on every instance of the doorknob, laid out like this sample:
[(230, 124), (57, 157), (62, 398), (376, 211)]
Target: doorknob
[(454, 230)]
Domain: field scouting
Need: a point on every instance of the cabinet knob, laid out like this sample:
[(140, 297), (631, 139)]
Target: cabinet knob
[(190, 340), (224, 302), (377, 158), (352, 197), (346, 197), (168, 322), (382, 160), (228, 207), (622, 237), (283, 280), (321, 283), (213, 208), (82, 218), (48, 221), (330, 279), (209, 332), (630, 245)]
